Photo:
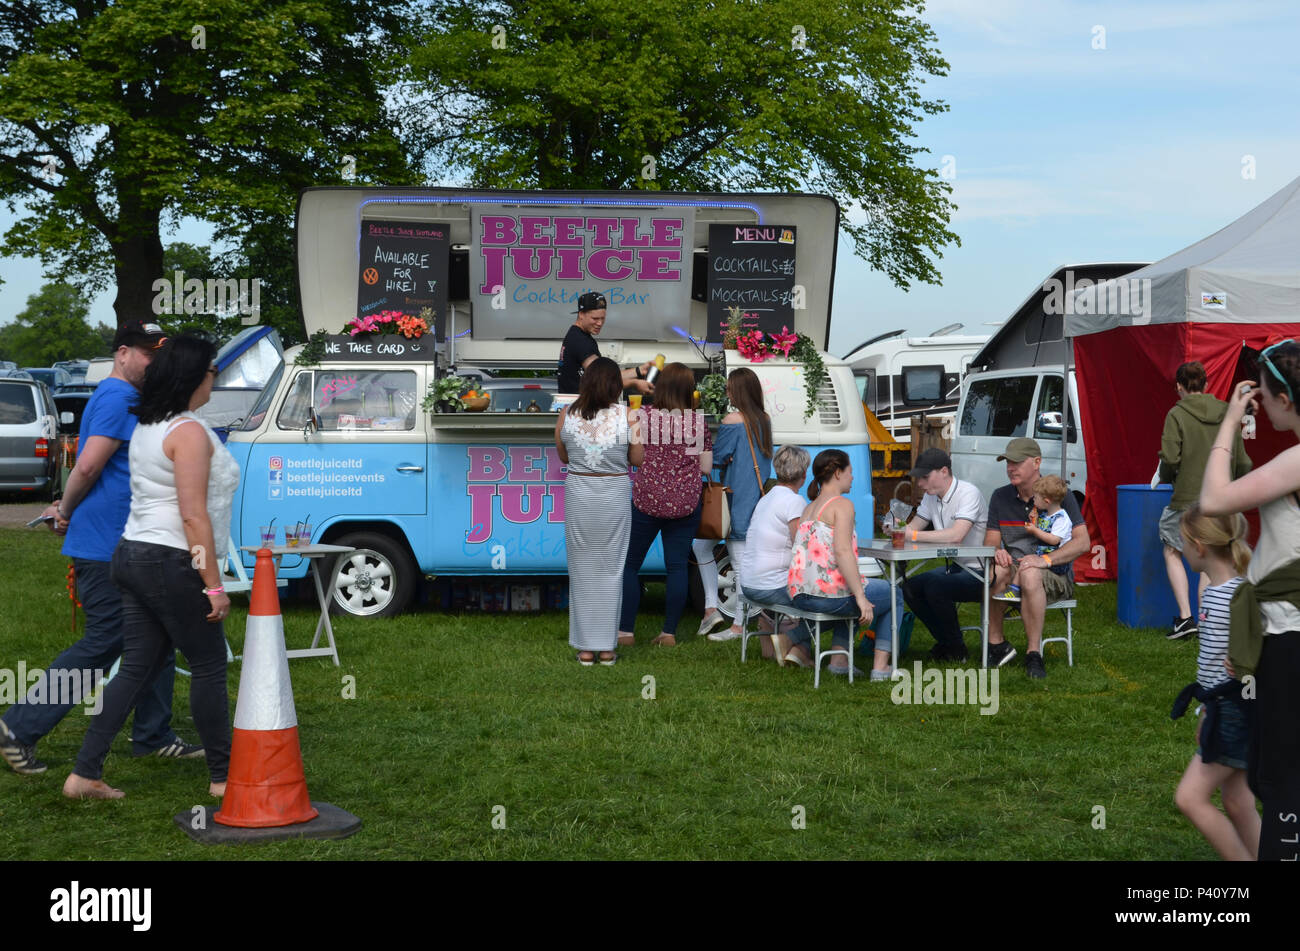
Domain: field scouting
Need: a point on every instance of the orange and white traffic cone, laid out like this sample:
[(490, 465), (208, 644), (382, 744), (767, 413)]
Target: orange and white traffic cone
[(266, 786)]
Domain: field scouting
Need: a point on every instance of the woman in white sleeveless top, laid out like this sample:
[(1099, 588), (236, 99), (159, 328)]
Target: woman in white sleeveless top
[(1272, 630), (168, 564)]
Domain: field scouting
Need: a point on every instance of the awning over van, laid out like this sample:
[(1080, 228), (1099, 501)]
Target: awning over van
[(509, 264)]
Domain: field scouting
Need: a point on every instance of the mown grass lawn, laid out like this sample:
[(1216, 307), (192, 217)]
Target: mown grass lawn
[(455, 716)]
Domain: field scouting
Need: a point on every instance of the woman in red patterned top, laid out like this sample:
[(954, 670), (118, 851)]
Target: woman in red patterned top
[(666, 496)]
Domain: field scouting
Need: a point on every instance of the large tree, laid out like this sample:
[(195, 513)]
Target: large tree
[(53, 326), (118, 119), (730, 95)]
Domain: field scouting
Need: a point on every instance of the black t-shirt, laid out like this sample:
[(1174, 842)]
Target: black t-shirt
[(578, 345), (1008, 513)]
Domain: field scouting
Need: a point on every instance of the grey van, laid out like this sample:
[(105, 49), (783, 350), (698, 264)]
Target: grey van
[(28, 438)]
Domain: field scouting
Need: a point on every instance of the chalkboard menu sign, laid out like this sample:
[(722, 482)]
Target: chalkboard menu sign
[(404, 267), (751, 267)]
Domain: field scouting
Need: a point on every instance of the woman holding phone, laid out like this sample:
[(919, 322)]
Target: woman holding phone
[(1265, 625)]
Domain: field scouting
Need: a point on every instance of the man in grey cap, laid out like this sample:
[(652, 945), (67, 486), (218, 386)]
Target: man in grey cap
[(1042, 578), (958, 515)]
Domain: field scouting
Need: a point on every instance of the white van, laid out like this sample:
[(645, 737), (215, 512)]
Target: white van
[(999, 405)]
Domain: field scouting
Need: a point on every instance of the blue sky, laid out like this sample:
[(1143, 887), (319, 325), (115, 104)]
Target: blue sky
[(1063, 152)]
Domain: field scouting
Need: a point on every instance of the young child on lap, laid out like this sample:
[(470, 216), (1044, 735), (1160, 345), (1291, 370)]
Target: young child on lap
[(1048, 523)]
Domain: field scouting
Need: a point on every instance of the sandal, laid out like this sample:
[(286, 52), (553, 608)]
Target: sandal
[(665, 640), (793, 657), (781, 648), (586, 658), (608, 658)]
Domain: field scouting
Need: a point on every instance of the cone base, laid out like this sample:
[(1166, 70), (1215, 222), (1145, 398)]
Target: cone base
[(331, 823)]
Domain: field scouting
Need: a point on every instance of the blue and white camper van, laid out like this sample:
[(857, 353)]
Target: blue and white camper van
[(348, 443)]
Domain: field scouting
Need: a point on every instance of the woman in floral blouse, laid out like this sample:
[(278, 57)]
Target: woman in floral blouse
[(824, 563), (666, 496)]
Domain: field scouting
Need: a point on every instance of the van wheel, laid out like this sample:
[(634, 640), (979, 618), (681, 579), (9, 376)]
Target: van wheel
[(376, 580)]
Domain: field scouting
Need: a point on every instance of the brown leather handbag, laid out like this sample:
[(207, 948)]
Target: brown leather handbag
[(715, 512)]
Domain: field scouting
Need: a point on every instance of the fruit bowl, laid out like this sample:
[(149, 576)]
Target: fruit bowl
[(475, 404)]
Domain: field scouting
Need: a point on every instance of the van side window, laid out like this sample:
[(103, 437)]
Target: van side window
[(998, 407), (1047, 418), (353, 400)]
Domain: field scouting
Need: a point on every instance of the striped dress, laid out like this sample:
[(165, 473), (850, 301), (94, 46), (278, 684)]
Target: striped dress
[(597, 522)]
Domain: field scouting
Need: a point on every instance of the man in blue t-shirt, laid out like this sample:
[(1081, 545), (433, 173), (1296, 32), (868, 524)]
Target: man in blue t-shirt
[(92, 514)]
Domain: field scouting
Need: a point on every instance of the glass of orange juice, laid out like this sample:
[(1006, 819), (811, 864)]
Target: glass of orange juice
[(634, 400)]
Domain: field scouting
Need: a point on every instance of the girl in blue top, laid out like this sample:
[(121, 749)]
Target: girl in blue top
[(745, 473)]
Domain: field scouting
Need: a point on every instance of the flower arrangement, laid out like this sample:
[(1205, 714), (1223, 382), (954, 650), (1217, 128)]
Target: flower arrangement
[(757, 346), (390, 321)]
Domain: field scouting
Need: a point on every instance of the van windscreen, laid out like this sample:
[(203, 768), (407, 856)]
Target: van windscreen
[(998, 407)]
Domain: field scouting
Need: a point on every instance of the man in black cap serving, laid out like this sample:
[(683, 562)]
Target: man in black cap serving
[(579, 349), (1042, 578), (952, 512), (92, 514)]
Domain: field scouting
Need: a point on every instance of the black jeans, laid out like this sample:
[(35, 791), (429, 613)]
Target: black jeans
[(1274, 761), (100, 645), (163, 609), (933, 597)]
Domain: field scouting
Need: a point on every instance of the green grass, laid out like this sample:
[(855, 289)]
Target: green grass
[(457, 714)]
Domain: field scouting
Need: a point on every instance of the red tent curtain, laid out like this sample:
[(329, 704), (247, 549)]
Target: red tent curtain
[(1126, 386)]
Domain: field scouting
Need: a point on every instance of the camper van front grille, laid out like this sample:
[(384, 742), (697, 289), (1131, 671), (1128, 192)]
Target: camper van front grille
[(829, 406)]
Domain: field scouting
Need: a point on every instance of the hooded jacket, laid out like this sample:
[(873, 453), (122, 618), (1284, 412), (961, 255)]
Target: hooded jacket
[(1190, 428)]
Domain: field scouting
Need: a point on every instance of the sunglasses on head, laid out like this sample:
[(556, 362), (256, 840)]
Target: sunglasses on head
[(1265, 361)]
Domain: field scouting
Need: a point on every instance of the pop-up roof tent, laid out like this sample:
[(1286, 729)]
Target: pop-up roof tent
[(1219, 301)]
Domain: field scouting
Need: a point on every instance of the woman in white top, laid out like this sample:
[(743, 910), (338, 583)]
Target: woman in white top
[(1273, 581), (168, 564)]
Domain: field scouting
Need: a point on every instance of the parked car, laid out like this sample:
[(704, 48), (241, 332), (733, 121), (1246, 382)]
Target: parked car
[(516, 394), (73, 400), (28, 438), (76, 369), (55, 378)]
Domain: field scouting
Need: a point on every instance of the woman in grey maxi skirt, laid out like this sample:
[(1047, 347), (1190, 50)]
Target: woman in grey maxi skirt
[(597, 508)]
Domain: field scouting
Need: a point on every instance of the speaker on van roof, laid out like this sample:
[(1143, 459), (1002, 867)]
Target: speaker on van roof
[(458, 276), (700, 277)]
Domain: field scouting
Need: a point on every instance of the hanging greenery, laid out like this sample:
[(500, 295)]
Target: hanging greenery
[(713, 394), (313, 351), (814, 372)]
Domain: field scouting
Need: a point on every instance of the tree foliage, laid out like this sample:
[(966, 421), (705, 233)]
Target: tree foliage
[(53, 326), (732, 95), (117, 119)]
